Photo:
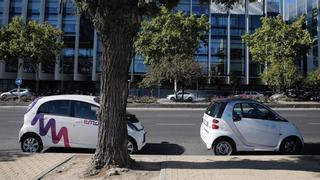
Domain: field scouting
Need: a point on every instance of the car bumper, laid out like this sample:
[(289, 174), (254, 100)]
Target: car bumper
[(141, 139), (205, 136)]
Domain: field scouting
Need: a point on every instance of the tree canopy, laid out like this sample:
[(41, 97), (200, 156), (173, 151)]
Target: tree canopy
[(280, 46), (168, 43), (33, 42)]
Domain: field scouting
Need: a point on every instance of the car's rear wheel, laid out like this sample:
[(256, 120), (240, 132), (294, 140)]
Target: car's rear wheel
[(291, 146), (31, 143), (223, 147), (172, 99), (132, 146), (190, 99)]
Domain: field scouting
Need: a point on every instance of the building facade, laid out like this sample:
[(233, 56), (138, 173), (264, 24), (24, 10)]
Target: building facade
[(78, 65)]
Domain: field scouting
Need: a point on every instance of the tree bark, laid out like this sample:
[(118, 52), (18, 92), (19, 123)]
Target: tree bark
[(117, 26)]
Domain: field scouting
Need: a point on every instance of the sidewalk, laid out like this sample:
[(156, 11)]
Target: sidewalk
[(18, 166), (33, 166)]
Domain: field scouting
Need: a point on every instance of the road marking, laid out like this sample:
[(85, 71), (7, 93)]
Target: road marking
[(171, 124), (15, 121), (314, 123)]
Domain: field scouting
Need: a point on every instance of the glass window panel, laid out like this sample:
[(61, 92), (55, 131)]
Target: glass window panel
[(85, 110)]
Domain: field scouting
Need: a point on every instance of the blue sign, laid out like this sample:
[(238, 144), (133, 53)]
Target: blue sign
[(18, 81)]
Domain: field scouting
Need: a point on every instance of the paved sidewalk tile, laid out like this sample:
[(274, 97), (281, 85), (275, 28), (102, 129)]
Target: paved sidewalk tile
[(27, 166), (241, 167)]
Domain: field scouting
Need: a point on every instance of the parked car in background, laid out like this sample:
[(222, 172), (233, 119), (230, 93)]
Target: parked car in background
[(14, 93), (187, 96), (277, 96), (232, 125), (70, 121), (249, 94), (315, 98)]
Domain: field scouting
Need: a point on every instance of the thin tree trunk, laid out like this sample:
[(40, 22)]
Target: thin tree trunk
[(117, 31)]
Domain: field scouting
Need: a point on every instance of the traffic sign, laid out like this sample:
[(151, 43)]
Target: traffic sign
[(18, 81)]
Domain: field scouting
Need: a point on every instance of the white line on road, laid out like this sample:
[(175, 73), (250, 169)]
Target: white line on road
[(314, 123), (171, 124)]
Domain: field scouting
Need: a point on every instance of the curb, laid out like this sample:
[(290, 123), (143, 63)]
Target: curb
[(45, 172), (163, 169)]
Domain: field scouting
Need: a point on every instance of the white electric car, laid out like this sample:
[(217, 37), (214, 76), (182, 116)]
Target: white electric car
[(232, 125), (69, 121)]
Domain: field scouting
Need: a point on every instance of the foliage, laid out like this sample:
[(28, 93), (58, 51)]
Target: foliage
[(280, 45), (33, 42), (313, 79), (168, 43), (143, 99)]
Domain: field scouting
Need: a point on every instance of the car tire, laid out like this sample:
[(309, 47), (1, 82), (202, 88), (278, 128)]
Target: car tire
[(172, 99), (291, 146), (223, 147), (189, 99), (31, 144), (132, 146)]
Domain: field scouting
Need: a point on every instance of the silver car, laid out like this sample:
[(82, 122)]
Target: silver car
[(186, 96), (14, 92)]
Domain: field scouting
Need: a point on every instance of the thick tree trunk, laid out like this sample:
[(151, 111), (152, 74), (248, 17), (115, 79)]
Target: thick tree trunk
[(117, 27)]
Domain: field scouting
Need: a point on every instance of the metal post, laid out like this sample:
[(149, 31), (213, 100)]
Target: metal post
[(19, 97)]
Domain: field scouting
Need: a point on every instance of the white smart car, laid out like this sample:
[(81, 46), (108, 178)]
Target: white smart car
[(232, 125), (69, 121)]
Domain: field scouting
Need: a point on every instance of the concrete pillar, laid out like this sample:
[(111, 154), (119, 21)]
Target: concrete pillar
[(76, 49), (318, 32), (246, 45), (57, 74), (228, 48), (209, 46)]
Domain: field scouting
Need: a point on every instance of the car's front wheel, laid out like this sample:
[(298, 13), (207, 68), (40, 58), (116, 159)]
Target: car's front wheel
[(223, 147), (132, 146), (172, 99), (291, 146), (31, 143)]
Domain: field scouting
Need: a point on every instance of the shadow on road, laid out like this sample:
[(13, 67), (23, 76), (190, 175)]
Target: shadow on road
[(163, 148), (309, 149)]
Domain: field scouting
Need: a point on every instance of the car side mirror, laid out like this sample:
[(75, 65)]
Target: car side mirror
[(236, 118)]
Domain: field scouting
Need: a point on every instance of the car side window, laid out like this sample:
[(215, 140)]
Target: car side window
[(264, 113), (249, 112), (237, 110), (56, 107), (85, 110)]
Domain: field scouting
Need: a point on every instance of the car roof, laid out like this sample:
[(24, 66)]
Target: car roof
[(69, 97), (229, 100)]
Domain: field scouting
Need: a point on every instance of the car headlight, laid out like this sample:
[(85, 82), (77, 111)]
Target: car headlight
[(132, 126)]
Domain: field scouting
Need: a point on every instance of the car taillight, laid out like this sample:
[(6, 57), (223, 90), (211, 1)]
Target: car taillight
[(214, 121), (214, 124)]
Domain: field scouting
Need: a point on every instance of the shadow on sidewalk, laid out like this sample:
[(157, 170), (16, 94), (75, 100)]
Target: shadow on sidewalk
[(12, 156), (297, 163)]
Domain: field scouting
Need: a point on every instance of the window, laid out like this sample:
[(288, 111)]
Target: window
[(85, 110), (253, 111), (214, 109), (58, 107)]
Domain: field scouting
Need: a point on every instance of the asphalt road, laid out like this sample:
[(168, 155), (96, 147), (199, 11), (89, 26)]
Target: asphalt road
[(170, 131)]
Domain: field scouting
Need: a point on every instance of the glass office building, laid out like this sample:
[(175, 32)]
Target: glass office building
[(79, 64)]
